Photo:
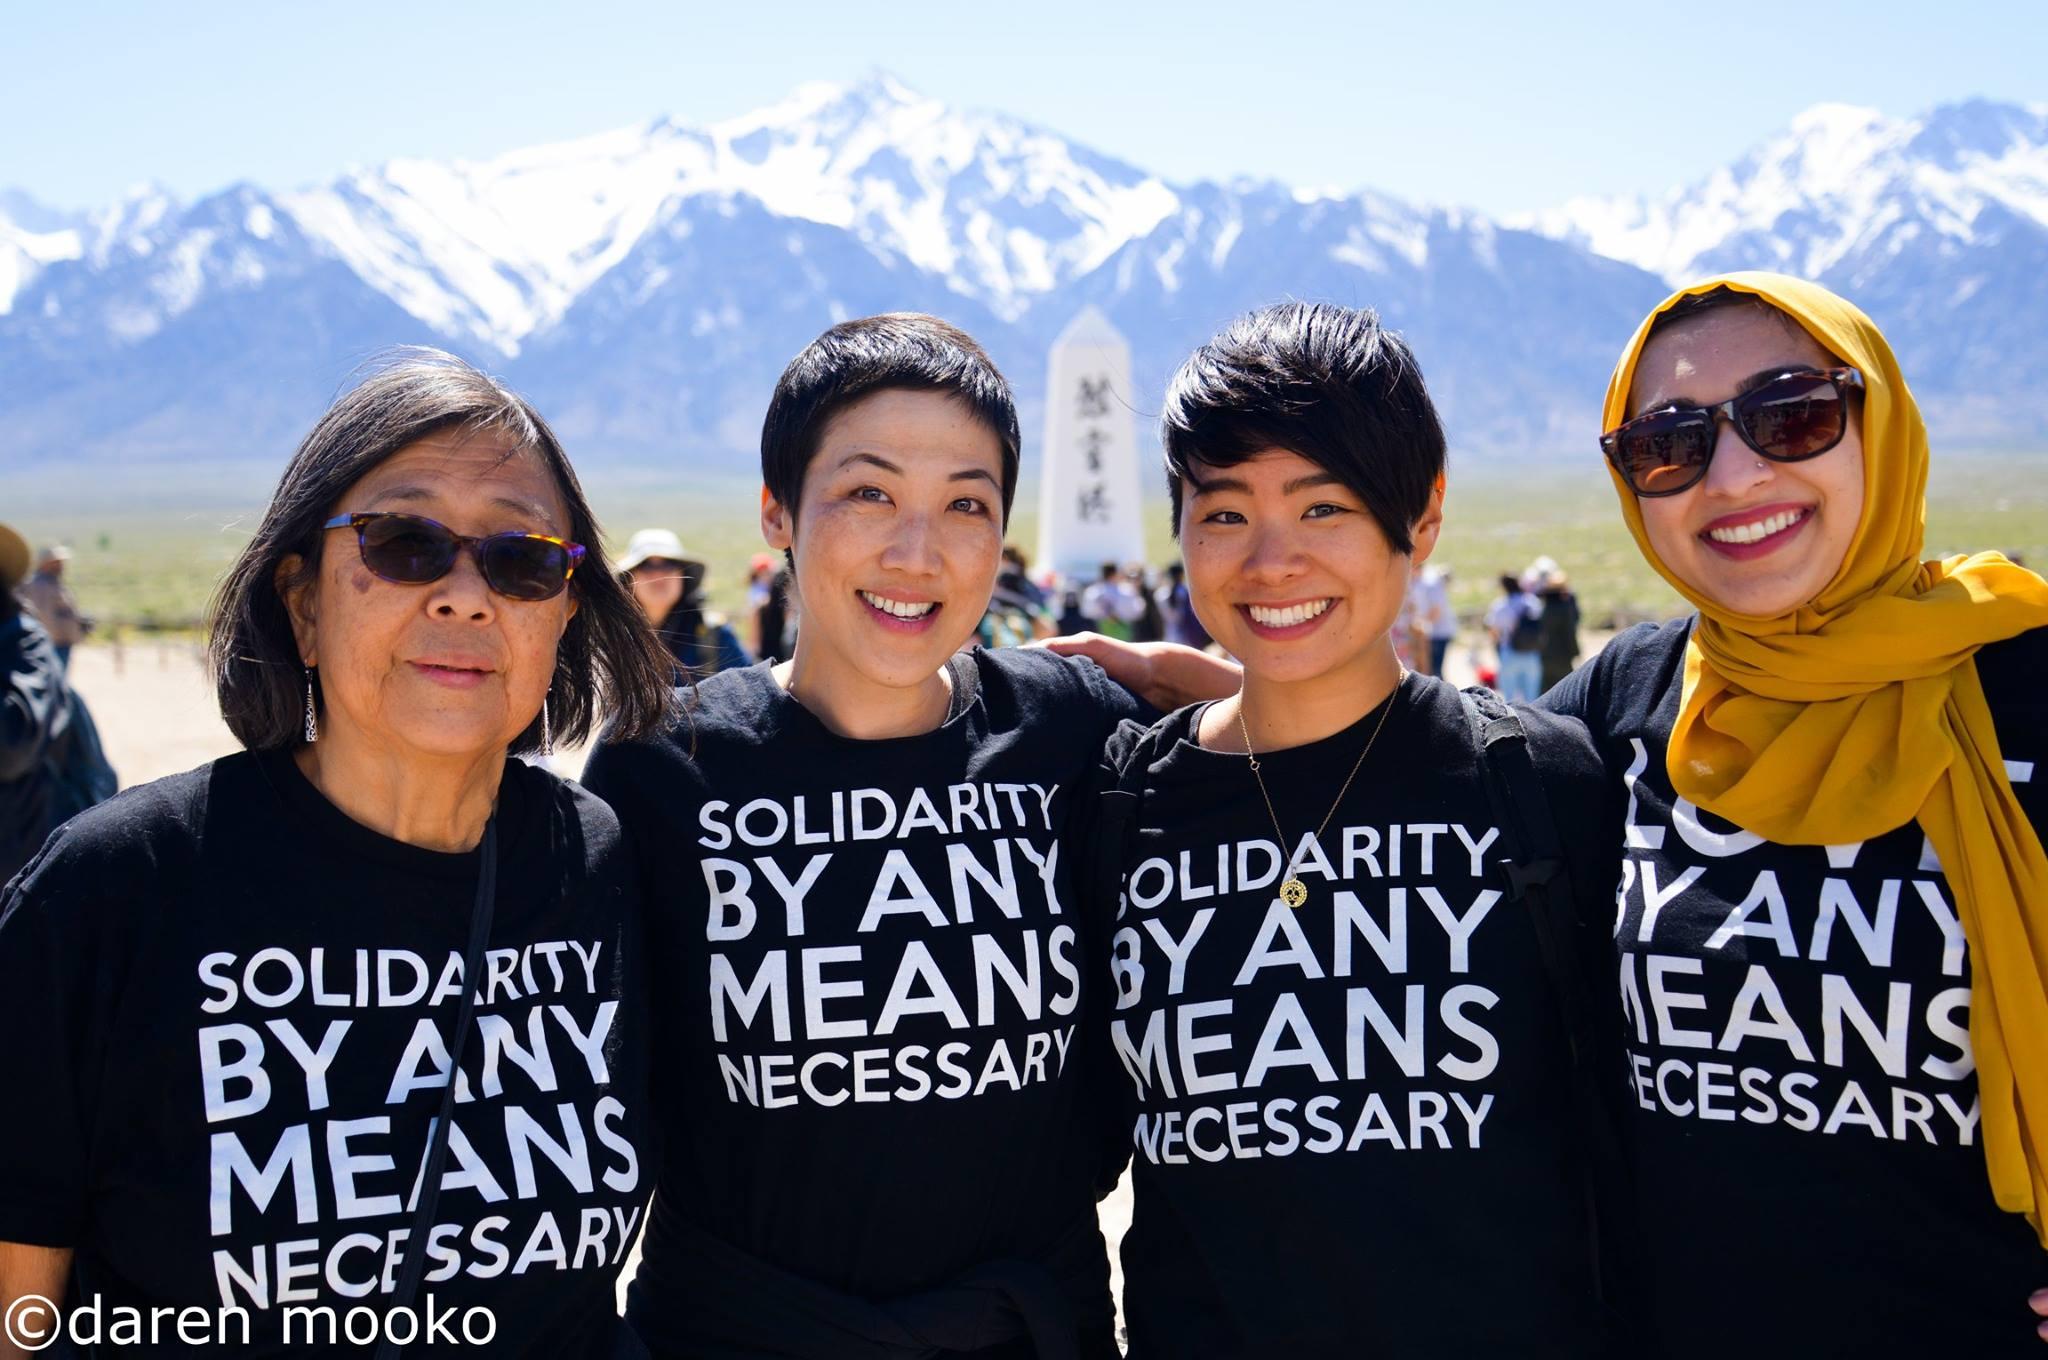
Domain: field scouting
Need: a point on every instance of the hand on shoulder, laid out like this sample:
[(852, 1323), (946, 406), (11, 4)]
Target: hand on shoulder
[(1166, 675)]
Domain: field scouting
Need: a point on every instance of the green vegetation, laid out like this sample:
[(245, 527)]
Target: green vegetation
[(149, 570)]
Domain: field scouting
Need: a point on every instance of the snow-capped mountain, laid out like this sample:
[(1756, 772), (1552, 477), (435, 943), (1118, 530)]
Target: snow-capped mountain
[(1840, 186), (647, 284), (206, 332), (496, 250), (1937, 225), (31, 236)]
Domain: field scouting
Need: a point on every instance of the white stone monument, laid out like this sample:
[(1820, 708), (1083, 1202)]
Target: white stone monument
[(1088, 498)]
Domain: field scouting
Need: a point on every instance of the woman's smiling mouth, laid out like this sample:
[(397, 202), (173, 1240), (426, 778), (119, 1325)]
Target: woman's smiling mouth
[(1286, 620), (907, 616), (1755, 533)]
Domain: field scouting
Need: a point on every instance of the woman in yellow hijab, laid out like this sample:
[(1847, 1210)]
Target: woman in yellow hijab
[(1833, 916)]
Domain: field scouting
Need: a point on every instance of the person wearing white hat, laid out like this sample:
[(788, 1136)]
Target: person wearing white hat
[(50, 596), (668, 582)]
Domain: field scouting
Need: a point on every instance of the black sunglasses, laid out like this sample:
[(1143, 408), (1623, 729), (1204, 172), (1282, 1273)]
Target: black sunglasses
[(1797, 415), (410, 550)]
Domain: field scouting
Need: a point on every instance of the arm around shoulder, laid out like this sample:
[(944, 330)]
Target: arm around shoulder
[(1166, 675)]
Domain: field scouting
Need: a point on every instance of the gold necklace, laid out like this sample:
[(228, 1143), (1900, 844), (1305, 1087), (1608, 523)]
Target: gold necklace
[(1292, 890)]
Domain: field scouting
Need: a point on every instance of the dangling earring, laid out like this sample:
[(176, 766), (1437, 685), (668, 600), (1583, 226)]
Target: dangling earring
[(547, 733), (312, 727)]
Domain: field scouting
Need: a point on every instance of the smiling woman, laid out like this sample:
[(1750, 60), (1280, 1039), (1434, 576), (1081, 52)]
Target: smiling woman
[(413, 609), (1842, 733), (1311, 1176), (876, 1108)]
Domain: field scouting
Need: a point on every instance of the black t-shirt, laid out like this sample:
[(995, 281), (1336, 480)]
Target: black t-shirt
[(1797, 1021), (228, 1010), (872, 1017), (1354, 1133)]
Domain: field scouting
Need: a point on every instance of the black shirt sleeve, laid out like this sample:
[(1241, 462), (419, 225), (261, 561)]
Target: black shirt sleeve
[(1118, 704), (1628, 670), (1106, 835), (619, 774)]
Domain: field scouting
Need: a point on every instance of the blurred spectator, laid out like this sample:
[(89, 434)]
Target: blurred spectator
[(56, 608), (1517, 629), (1150, 625), (1174, 602), (1112, 605), (760, 580), (1015, 577), (51, 764), (1560, 620), (1407, 630), (1011, 620), (775, 620), (1071, 619), (1016, 610), (669, 584), (1433, 615)]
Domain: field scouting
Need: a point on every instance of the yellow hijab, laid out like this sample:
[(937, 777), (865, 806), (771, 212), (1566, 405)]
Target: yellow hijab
[(1862, 711)]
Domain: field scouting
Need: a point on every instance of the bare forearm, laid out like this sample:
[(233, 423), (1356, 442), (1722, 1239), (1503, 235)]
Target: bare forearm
[(31, 1287), (1165, 675)]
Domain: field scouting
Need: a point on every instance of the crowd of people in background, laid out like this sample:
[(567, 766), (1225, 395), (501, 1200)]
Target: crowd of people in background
[(1532, 629)]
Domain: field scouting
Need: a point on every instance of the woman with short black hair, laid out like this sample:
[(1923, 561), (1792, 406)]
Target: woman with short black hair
[(877, 1046), (343, 1033), (1357, 913)]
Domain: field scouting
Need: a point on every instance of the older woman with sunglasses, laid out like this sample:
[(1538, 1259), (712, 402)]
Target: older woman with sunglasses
[(1833, 919), (337, 1041)]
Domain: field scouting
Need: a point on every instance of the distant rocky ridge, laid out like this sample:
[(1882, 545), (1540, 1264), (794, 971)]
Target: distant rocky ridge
[(646, 285)]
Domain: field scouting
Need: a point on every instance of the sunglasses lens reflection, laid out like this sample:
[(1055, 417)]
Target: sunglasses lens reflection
[(523, 568), (1794, 417), (1667, 453), (407, 550), (411, 551)]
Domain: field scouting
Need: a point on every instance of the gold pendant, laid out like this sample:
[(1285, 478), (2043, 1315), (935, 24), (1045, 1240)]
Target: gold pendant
[(1294, 892)]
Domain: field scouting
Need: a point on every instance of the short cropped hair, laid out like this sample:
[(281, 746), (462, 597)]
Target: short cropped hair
[(1329, 383), (608, 659), (905, 351)]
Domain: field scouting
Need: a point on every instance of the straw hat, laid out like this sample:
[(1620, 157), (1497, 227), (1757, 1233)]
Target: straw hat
[(655, 543), (14, 558)]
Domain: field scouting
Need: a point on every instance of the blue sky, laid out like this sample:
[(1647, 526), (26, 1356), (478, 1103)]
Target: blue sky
[(1499, 106)]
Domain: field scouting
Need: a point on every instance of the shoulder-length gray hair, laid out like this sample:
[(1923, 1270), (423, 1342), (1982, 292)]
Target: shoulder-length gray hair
[(608, 660)]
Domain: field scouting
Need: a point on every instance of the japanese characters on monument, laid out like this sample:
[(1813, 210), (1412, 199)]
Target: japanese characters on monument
[(1088, 483)]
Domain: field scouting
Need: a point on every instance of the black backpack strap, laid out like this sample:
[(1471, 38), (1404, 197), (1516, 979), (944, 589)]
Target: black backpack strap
[(1537, 874), (1119, 797), (414, 1266), (1533, 859), (1118, 800)]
